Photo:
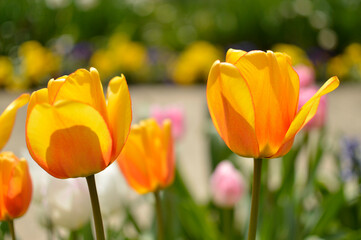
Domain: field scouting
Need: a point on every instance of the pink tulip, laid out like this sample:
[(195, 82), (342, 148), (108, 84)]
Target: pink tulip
[(226, 185), (306, 75), (175, 114), (320, 118)]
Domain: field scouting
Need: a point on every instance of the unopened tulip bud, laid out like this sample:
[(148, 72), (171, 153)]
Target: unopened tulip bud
[(226, 184)]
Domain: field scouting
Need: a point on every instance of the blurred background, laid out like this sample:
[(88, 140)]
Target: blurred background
[(170, 41), (165, 49)]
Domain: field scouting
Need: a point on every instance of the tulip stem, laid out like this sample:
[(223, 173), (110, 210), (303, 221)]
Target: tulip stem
[(159, 216), (255, 198), (12, 229), (96, 208)]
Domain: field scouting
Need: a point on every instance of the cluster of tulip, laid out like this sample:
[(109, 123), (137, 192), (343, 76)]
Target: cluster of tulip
[(73, 131)]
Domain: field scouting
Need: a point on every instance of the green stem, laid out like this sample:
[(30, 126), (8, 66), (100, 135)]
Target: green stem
[(228, 223), (12, 229), (96, 208), (73, 235), (159, 216), (255, 198)]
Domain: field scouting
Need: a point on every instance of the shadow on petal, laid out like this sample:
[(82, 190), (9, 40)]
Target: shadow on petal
[(74, 152)]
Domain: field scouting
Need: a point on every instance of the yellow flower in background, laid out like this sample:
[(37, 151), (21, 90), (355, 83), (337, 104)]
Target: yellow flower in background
[(121, 55), (347, 64), (72, 130), (6, 70), (37, 62), (147, 160), (194, 62), (337, 66), (298, 55)]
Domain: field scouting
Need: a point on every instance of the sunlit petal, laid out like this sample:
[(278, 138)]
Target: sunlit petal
[(305, 114), (68, 139), (7, 118), (83, 86), (231, 108), (119, 112), (274, 88)]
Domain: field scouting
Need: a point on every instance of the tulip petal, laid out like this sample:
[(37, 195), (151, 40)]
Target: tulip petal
[(68, 139), (231, 108), (54, 86), (82, 86), (119, 112), (7, 118), (305, 114), (274, 87), (169, 165), (133, 163), (157, 143), (234, 55)]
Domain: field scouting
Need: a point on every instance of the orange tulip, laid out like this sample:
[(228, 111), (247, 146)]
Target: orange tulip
[(7, 118), (71, 130), (15, 186), (253, 98), (147, 160)]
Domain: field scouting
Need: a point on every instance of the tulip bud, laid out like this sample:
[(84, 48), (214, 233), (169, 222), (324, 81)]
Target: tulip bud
[(15, 186), (227, 185)]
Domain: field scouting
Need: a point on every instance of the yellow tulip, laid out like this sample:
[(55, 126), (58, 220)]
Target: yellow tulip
[(253, 99), (15, 186), (71, 130), (7, 118), (147, 160)]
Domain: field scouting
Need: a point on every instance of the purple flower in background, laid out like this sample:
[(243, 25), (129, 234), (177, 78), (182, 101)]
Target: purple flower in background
[(227, 185), (175, 114), (350, 158), (82, 51)]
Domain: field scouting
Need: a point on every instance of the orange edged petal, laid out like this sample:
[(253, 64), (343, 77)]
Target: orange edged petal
[(169, 157), (7, 118), (19, 193), (133, 163), (54, 86), (68, 139), (231, 108), (81, 86), (234, 55), (119, 113), (305, 114), (274, 87)]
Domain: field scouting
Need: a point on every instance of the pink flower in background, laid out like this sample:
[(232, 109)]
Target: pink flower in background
[(226, 185), (175, 114), (306, 75), (319, 119)]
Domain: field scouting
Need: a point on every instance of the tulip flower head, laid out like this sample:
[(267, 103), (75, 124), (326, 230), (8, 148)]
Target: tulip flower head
[(226, 184), (147, 160), (71, 130), (253, 101), (15, 186)]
